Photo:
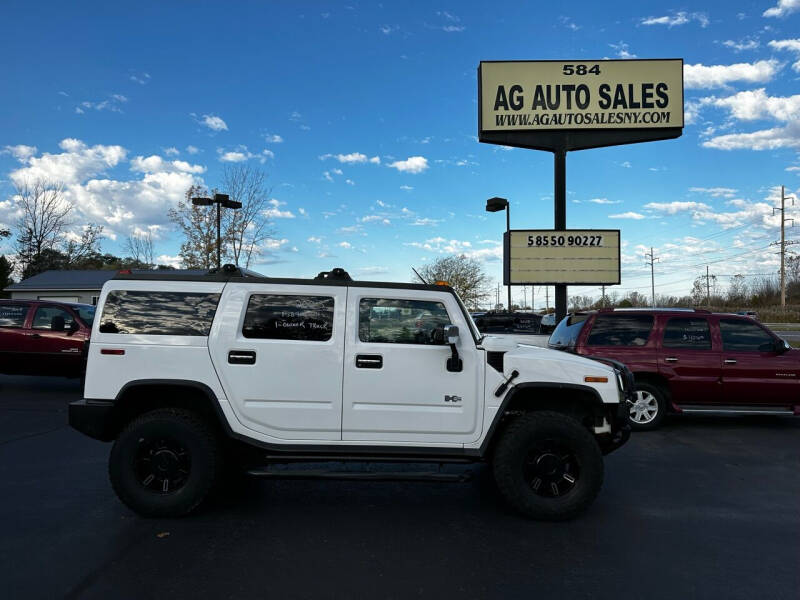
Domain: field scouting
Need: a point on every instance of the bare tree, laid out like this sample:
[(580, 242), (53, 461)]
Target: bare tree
[(246, 228), (140, 248), (465, 275), (199, 227), (77, 248), (45, 217)]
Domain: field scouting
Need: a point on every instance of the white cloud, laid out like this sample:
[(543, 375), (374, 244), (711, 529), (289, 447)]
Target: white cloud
[(172, 261), (791, 46), (406, 188), (141, 79), (275, 212), (345, 245), (214, 123), (420, 222), (376, 219), (120, 206), (627, 215), (273, 138), (701, 76), (314, 240), (413, 164), (192, 149), (741, 45), (605, 201), (241, 154), (716, 192), (113, 103), (782, 9), (302, 212), (678, 18), (328, 175), (172, 151), (352, 158), (622, 50), (76, 163), (349, 182), (21, 152), (756, 105), (275, 244), (672, 208), (155, 164)]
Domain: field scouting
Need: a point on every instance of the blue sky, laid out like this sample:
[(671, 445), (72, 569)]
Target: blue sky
[(364, 115)]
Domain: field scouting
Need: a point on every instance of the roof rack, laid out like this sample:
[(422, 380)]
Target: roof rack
[(336, 273), (230, 269)]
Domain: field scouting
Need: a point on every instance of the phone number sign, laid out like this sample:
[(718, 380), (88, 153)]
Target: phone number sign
[(553, 257)]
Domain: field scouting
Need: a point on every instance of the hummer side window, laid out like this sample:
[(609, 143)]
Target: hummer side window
[(287, 317), (158, 313), (386, 320), (620, 330), (690, 334)]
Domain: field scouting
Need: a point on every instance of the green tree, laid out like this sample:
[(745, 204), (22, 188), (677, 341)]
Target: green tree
[(6, 268), (465, 275), (198, 224)]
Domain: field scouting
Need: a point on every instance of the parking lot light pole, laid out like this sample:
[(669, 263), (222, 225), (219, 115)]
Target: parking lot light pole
[(220, 200), (494, 205)]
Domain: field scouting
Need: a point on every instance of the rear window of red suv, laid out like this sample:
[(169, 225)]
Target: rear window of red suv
[(620, 330)]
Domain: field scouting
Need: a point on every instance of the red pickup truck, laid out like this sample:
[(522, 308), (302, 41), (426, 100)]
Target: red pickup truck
[(39, 337), (690, 361)]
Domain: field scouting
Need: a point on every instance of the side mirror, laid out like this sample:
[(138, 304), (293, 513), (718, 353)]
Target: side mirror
[(73, 327), (454, 363), (57, 324), (782, 346), (451, 333)]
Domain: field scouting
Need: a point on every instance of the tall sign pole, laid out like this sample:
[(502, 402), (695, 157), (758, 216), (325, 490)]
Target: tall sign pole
[(560, 218)]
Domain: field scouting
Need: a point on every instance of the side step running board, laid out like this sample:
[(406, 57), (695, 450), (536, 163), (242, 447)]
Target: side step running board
[(362, 475), (731, 410)]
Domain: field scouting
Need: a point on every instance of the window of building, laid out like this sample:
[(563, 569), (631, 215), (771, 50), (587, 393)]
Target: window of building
[(52, 318), (620, 330), (390, 321), (744, 336), (158, 313), (687, 333), (289, 317), (13, 315)]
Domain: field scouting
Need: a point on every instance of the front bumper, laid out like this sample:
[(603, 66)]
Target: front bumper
[(619, 416), (93, 418)]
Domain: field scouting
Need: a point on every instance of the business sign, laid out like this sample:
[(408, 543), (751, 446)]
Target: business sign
[(566, 257), (601, 102)]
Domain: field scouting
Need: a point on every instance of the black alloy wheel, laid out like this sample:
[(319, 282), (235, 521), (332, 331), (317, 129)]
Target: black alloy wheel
[(162, 465), (551, 469)]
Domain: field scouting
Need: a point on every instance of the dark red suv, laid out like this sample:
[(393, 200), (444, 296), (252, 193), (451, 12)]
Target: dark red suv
[(690, 361), (39, 337)]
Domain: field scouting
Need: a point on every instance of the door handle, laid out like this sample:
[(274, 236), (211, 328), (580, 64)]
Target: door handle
[(730, 361), (671, 359), (369, 361), (242, 357)]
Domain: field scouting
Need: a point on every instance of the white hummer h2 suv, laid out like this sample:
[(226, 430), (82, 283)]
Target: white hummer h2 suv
[(193, 376)]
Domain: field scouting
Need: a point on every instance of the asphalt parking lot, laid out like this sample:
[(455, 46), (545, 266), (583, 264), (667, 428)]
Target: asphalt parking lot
[(703, 508)]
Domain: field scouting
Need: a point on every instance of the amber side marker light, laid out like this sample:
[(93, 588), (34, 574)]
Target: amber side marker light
[(440, 282), (596, 379)]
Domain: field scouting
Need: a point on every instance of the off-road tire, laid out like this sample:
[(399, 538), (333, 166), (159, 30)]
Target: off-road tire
[(181, 429), (526, 435), (660, 397)]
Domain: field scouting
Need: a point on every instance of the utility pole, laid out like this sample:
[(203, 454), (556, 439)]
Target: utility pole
[(708, 289), (651, 261), (547, 299), (603, 297), (783, 244)]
